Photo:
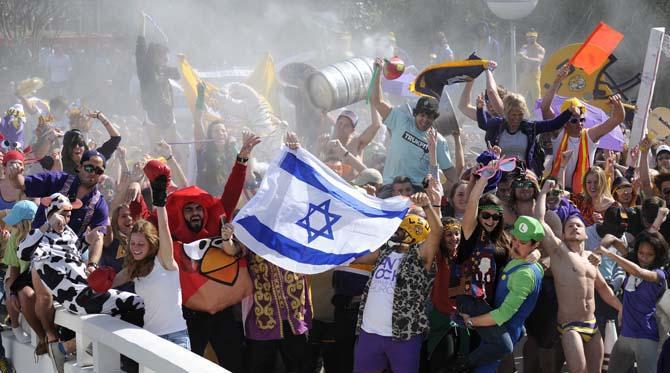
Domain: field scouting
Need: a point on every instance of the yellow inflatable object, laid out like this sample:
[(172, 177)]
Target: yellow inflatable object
[(592, 89)]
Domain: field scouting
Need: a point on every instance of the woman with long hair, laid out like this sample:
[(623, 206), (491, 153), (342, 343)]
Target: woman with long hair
[(150, 264), (484, 249), (643, 287), (595, 197), (458, 199), (18, 284), (115, 247), (75, 144)]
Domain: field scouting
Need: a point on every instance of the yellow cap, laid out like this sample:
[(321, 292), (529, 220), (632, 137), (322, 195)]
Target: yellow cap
[(574, 101)]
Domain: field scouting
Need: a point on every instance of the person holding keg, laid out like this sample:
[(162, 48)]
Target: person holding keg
[(408, 152)]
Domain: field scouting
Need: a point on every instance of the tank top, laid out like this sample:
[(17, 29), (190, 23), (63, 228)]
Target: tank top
[(162, 300), (5, 205)]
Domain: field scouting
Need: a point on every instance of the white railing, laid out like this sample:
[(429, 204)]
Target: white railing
[(109, 337)]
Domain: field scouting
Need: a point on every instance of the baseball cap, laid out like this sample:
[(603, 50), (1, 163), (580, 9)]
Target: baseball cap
[(527, 228), (22, 210), (662, 148), (574, 101), (351, 115), (92, 153), (428, 105), (368, 176), (12, 155)]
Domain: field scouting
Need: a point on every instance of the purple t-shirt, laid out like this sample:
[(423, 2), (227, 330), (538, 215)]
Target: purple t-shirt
[(639, 306)]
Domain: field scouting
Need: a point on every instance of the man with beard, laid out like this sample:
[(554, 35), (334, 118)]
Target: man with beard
[(576, 281), (194, 215), (522, 197)]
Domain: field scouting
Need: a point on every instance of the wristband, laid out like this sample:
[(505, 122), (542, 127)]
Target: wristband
[(241, 159), (437, 206), (92, 264)]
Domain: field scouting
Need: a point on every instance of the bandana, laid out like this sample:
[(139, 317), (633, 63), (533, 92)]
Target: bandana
[(491, 207)]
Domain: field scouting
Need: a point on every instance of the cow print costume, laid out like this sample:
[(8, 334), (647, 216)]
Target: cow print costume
[(57, 259)]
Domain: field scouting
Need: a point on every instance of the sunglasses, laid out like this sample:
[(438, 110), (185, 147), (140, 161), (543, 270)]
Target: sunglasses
[(486, 216), (505, 165), (577, 120), (79, 143), (523, 184), (91, 169)]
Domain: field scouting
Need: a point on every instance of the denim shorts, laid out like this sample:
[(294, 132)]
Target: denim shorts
[(180, 338)]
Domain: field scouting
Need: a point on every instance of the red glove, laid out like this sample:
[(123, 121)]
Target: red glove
[(101, 279), (156, 168)]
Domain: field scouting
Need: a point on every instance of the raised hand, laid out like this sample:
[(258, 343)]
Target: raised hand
[(548, 185), (249, 141), (566, 156), (480, 101), (563, 73), (291, 141), (93, 235), (227, 231), (420, 199)]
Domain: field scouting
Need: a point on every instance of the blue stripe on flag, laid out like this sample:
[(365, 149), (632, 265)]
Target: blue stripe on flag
[(290, 248), (309, 175)]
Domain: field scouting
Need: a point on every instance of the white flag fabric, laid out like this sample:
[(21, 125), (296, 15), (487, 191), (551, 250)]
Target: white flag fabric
[(306, 219)]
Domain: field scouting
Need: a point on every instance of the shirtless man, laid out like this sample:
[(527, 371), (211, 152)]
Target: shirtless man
[(576, 279)]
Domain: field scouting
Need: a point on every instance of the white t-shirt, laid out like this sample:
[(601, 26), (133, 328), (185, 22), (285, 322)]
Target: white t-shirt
[(573, 144), (161, 292), (378, 311)]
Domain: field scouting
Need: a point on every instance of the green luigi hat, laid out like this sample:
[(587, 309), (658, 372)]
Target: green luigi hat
[(527, 228)]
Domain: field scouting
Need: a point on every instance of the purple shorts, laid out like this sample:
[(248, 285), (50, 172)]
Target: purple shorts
[(375, 353)]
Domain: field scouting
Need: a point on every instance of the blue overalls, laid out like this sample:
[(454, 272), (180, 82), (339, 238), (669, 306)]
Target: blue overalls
[(514, 326)]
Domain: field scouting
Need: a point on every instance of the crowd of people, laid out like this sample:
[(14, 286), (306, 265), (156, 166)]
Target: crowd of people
[(543, 235)]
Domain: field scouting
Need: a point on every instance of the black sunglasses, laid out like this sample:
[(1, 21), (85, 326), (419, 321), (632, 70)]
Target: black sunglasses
[(91, 168), (486, 216), (523, 184), (577, 120)]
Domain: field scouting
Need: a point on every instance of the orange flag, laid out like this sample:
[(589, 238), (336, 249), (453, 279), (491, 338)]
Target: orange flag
[(597, 48)]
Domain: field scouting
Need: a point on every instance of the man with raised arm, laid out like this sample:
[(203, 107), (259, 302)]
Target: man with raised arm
[(576, 279)]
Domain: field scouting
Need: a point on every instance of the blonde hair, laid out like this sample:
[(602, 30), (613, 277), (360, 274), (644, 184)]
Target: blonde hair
[(515, 101), (116, 232), (141, 268), (21, 230), (602, 187)]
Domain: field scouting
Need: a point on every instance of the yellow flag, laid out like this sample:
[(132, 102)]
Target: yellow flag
[(264, 81), (189, 82)]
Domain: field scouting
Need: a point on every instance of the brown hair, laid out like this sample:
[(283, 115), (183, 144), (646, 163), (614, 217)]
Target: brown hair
[(116, 232), (141, 268)]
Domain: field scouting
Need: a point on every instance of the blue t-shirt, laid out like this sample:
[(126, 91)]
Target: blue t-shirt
[(47, 183), (408, 153), (639, 306)]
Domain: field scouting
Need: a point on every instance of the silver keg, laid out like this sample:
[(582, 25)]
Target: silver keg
[(340, 84)]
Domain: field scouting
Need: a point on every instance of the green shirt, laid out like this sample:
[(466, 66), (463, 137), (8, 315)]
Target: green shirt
[(520, 284), (11, 258)]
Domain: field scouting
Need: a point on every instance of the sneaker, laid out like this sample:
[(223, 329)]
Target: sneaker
[(21, 335), (57, 356)]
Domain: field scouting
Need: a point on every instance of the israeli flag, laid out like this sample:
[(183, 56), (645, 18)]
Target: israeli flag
[(306, 219)]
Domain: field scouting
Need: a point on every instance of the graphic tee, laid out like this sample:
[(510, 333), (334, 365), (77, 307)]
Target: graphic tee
[(377, 314)]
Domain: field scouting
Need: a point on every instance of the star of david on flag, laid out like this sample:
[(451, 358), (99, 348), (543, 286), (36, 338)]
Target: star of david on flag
[(306, 219)]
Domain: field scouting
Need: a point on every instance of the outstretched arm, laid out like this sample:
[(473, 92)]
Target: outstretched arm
[(469, 222), (375, 124), (464, 103), (628, 266), (427, 201), (548, 97), (550, 243), (618, 115), (165, 249), (492, 88), (376, 96)]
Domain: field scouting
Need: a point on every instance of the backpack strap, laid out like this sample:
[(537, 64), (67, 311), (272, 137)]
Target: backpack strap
[(90, 210)]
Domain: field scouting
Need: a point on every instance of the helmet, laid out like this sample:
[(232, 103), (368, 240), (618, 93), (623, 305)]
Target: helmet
[(417, 229)]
